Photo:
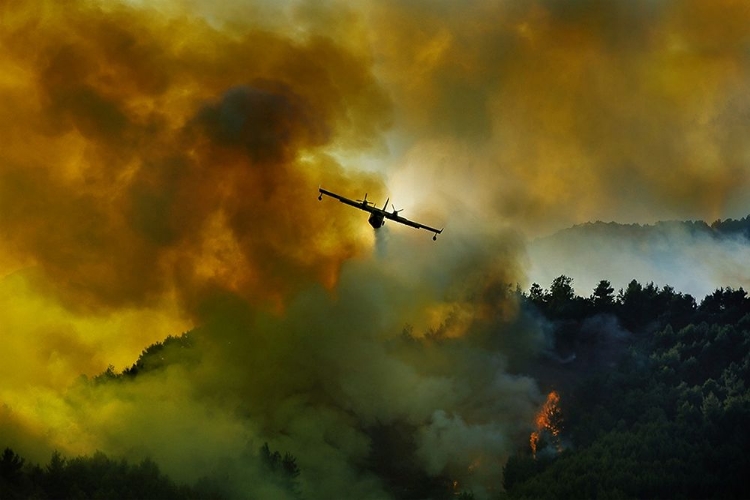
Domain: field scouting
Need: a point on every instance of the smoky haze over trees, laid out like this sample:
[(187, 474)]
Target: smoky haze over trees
[(652, 402), (99, 476), (716, 254), (665, 417), (158, 172)]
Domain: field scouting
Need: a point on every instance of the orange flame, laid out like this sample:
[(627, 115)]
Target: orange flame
[(533, 442), (549, 419)]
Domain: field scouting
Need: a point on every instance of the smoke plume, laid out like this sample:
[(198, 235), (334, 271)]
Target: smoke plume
[(158, 175)]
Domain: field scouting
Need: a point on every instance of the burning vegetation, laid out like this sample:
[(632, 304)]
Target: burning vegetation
[(548, 424)]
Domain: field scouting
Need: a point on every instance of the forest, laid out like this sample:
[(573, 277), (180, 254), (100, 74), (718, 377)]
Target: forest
[(100, 477), (668, 420), (654, 403)]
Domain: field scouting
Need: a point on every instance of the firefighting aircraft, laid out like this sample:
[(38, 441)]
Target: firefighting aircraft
[(378, 215)]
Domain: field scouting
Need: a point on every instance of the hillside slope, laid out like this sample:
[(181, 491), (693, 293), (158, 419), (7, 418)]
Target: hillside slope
[(691, 256)]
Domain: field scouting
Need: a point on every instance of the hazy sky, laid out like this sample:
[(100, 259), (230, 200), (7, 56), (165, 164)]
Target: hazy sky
[(156, 158)]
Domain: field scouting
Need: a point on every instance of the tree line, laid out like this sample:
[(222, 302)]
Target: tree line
[(98, 477), (667, 420), (670, 420)]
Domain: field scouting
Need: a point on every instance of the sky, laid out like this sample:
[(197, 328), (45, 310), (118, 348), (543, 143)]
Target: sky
[(689, 258), (159, 165)]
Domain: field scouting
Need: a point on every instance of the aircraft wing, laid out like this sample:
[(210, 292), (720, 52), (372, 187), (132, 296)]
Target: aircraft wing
[(362, 205), (378, 213), (402, 220)]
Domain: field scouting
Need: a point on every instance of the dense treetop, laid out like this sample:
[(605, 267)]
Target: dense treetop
[(654, 403), (669, 420)]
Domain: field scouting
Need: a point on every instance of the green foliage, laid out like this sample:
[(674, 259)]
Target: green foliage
[(670, 419), (95, 477), (667, 418), (639, 308), (11, 466), (732, 227), (159, 354), (283, 469), (603, 298), (100, 477)]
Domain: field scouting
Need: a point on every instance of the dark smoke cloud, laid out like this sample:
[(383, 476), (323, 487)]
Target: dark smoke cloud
[(270, 124), (151, 160), (152, 165), (158, 167), (314, 379)]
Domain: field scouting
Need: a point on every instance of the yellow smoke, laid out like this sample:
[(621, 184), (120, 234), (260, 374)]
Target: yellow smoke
[(158, 172), (573, 111), (150, 161)]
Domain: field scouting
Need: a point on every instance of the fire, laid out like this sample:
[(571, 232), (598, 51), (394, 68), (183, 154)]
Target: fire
[(549, 421), (533, 442)]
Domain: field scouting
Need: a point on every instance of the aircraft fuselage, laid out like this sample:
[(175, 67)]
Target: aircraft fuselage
[(377, 215), (376, 220)]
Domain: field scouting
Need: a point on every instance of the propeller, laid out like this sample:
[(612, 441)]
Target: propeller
[(395, 212), (364, 201)]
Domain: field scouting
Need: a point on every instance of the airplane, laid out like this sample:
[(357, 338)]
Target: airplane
[(378, 215)]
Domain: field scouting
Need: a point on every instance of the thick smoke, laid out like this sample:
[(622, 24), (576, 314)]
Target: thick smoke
[(155, 164), (158, 174), (314, 379), (553, 113)]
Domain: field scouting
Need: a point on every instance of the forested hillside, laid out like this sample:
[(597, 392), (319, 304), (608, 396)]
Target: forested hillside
[(101, 477), (716, 254), (668, 420), (648, 399), (639, 233)]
